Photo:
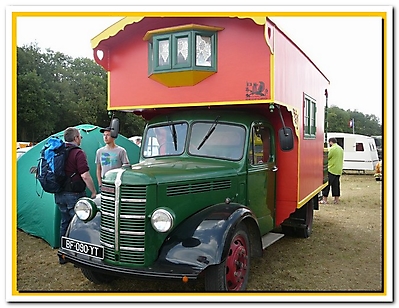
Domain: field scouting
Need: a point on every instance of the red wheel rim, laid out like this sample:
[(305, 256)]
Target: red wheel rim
[(236, 263)]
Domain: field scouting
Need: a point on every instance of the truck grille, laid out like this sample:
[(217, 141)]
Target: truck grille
[(123, 223)]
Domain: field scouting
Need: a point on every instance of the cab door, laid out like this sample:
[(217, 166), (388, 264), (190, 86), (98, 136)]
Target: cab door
[(262, 175)]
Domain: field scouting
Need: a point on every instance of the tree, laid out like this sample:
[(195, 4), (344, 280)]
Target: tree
[(55, 91), (338, 121)]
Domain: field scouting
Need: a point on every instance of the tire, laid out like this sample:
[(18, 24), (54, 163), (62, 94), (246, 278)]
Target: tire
[(97, 277), (288, 230), (306, 231), (232, 274)]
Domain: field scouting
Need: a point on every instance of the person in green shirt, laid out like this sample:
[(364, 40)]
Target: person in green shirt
[(335, 166)]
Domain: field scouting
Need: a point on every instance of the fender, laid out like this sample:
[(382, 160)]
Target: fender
[(85, 231), (200, 240)]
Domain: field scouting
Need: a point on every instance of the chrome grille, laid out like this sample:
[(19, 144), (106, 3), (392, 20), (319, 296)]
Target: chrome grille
[(123, 226)]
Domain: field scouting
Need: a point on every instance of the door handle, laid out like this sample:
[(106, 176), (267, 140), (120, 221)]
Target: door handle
[(275, 168)]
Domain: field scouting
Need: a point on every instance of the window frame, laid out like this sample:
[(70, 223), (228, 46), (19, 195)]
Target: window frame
[(309, 117), (173, 37)]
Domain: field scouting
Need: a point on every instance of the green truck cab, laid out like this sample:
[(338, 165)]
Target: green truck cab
[(202, 204)]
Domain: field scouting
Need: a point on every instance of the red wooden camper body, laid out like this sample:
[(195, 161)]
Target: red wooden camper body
[(250, 50)]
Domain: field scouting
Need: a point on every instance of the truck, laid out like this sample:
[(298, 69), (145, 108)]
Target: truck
[(237, 110)]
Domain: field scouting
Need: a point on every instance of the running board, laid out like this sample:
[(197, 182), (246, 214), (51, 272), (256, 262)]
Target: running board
[(270, 238)]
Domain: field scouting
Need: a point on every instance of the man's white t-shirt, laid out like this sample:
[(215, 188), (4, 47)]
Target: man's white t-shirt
[(111, 158)]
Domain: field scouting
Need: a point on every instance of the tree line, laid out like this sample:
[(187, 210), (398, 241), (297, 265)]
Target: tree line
[(55, 91)]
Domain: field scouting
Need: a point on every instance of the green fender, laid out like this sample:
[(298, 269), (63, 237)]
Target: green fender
[(200, 241)]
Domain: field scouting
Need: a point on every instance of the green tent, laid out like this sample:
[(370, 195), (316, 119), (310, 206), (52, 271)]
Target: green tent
[(37, 213)]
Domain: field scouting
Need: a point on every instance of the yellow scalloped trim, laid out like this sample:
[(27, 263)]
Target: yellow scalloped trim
[(120, 25)]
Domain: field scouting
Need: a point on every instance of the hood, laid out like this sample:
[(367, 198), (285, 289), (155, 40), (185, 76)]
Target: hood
[(174, 170)]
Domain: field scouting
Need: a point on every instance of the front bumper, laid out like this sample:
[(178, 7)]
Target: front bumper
[(164, 270)]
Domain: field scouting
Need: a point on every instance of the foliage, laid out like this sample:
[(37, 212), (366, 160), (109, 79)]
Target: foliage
[(365, 124), (55, 91)]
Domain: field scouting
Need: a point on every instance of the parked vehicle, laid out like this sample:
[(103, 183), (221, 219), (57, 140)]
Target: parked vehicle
[(239, 157), (360, 152)]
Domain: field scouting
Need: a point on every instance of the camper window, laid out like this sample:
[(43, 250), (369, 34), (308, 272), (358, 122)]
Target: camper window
[(359, 147)]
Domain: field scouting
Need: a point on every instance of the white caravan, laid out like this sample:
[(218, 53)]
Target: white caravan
[(360, 152)]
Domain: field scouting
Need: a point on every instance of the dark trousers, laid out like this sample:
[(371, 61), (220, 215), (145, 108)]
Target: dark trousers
[(335, 184), (66, 203)]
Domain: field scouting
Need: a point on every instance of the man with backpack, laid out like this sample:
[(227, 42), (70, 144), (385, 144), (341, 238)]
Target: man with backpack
[(77, 171)]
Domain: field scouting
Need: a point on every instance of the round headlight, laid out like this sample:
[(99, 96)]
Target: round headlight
[(162, 220), (85, 209)]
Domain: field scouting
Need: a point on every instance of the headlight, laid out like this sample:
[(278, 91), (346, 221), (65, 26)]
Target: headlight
[(162, 220), (85, 209)]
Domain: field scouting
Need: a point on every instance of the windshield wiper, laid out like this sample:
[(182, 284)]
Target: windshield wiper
[(174, 134), (209, 133)]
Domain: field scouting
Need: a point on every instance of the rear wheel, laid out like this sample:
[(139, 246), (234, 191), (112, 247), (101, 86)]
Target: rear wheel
[(307, 229), (232, 274), (96, 277), (300, 223)]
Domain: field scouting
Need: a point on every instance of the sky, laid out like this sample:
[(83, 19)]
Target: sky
[(348, 50)]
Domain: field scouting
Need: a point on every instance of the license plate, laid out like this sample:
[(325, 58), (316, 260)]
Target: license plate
[(87, 249)]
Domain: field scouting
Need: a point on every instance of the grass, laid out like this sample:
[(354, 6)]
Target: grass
[(343, 254)]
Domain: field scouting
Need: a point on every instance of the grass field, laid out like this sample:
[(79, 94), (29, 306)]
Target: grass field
[(345, 253)]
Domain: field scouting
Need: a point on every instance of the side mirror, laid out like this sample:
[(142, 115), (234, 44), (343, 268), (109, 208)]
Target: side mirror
[(114, 127), (286, 138)]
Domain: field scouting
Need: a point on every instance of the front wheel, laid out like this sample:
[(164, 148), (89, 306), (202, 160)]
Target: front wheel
[(232, 274)]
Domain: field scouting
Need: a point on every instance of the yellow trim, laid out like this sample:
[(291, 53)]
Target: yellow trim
[(196, 104), (310, 196), (272, 77), (382, 15), (113, 30), (151, 33), (258, 17), (14, 156), (108, 90)]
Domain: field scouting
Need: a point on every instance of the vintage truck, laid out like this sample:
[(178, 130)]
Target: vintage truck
[(237, 110)]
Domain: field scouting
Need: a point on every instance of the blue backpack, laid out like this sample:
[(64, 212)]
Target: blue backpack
[(50, 169)]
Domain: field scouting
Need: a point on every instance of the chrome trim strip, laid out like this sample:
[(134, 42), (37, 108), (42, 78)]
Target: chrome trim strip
[(134, 200), (132, 233), (118, 183), (107, 229), (131, 249), (107, 198), (107, 245), (141, 217), (107, 214)]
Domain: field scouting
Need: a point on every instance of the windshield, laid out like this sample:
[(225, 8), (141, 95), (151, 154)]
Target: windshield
[(224, 141), (168, 139)]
